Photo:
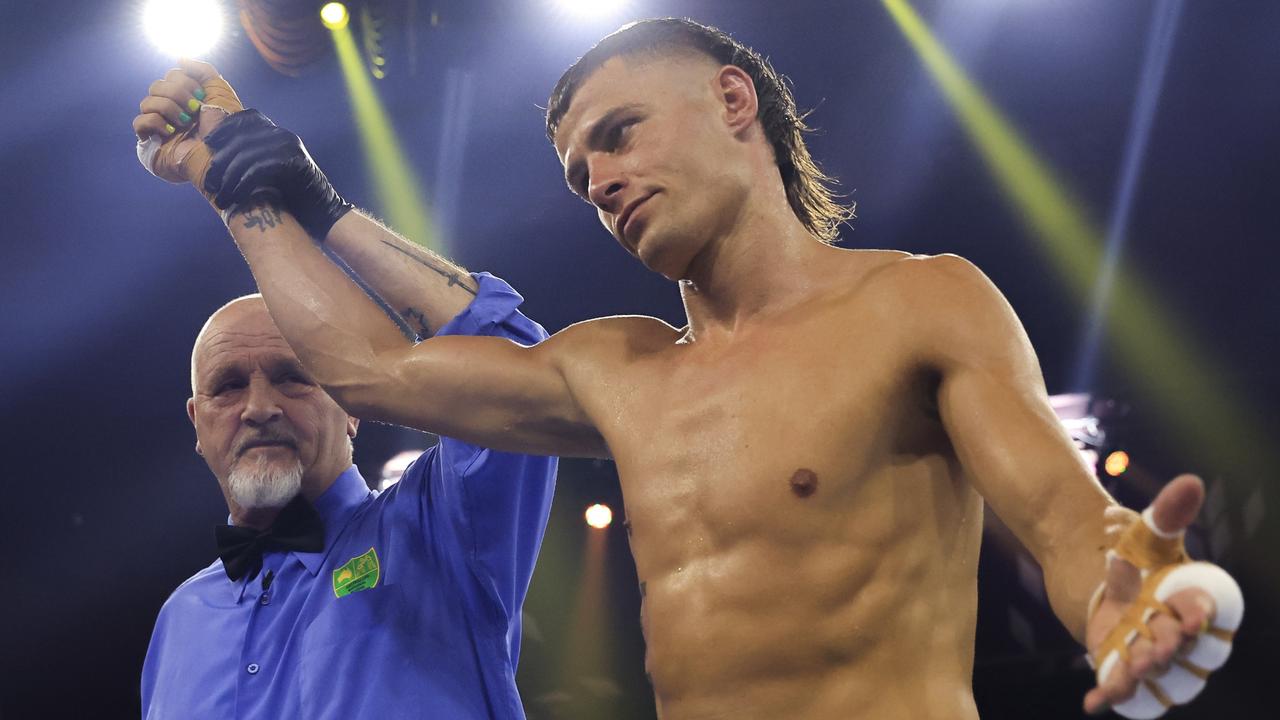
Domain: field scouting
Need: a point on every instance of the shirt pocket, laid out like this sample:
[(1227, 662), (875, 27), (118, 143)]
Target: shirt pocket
[(342, 650)]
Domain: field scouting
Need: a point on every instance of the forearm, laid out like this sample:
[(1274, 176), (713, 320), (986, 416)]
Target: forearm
[(424, 289), (334, 327), (1074, 567)]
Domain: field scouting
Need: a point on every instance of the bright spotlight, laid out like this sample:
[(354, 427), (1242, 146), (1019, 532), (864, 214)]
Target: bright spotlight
[(183, 27), (592, 7), (335, 15), (1117, 462), (599, 516)]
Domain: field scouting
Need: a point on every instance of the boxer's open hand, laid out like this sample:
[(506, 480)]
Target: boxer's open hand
[(1172, 634)]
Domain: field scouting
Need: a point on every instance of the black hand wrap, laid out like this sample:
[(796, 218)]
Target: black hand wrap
[(252, 156)]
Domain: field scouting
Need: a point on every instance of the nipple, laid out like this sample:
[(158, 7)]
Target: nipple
[(804, 482)]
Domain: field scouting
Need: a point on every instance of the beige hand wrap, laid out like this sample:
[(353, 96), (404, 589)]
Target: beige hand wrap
[(163, 159), (1166, 570)]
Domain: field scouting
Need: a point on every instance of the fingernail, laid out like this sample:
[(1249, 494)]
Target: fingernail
[(184, 118), (169, 128), (193, 104), (199, 93)]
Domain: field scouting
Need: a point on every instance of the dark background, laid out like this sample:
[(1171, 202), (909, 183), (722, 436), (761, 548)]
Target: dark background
[(108, 274)]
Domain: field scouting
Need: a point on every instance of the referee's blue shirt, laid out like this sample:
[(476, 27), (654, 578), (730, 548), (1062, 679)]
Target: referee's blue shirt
[(437, 636)]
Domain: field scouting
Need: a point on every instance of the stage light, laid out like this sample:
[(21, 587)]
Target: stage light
[(1117, 462), (335, 15), (599, 516), (395, 467), (592, 7), (183, 27)]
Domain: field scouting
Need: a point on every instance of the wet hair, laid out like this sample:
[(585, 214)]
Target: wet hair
[(809, 189)]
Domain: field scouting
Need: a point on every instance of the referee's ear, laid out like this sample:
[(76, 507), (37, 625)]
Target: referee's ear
[(191, 415)]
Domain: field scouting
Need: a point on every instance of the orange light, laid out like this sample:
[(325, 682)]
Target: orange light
[(1117, 462), (599, 516)]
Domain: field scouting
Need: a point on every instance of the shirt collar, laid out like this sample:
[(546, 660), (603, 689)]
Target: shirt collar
[(336, 506)]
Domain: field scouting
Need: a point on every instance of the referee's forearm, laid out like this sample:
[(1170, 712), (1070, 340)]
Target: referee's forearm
[(421, 287)]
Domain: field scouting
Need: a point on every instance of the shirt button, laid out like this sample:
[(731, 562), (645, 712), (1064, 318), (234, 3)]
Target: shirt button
[(265, 599), (252, 669)]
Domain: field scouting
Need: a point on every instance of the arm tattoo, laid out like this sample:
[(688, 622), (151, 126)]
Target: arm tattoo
[(262, 217), (432, 263), (416, 316)]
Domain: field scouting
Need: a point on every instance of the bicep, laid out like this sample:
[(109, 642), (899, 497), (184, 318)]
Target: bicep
[(484, 390), (996, 412)]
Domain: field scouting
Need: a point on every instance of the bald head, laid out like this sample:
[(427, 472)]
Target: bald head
[(244, 310)]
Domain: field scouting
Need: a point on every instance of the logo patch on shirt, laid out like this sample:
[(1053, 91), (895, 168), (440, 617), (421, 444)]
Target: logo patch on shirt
[(359, 573)]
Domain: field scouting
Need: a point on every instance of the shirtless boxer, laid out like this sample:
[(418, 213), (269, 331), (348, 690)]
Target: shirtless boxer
[(804, 464)]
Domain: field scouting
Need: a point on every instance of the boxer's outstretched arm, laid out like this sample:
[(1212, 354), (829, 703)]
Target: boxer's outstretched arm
[(994, 407), (485, 390), (1012, 447)]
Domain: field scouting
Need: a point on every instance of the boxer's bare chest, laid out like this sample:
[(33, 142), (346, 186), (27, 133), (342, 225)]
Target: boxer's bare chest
[(769, 436)]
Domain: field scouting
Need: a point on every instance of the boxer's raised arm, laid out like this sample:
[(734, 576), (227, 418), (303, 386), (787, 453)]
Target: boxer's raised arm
[(251, 156), (485, 390)]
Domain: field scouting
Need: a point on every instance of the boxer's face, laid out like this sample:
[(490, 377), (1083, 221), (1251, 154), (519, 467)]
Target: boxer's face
[(645, 141), (257, 411)]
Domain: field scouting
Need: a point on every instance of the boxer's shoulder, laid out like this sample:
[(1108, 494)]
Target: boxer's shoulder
[(617, 338)]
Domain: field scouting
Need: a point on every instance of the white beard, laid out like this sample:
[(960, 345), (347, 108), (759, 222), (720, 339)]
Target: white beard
[(259, 483)]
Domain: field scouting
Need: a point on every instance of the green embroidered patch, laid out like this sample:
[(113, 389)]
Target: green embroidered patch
[(360, 573)]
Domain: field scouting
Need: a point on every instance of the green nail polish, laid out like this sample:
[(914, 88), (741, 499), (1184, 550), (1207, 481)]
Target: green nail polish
[(169, 128), (193, 104), (199, 93), (184, 118)]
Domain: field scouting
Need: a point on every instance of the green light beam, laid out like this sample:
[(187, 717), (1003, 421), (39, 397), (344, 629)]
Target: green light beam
[(397, 187), (1180, 381)]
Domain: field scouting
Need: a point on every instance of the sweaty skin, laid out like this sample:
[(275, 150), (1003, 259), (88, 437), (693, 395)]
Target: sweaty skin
[(805, 540), (804, 465)]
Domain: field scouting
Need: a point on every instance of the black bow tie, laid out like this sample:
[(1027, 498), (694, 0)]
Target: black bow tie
[(297, 527)]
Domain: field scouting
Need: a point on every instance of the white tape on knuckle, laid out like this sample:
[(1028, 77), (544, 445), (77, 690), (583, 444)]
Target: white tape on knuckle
[(1209, 652), (1227, 599), (147, 150), (1142, 706), (1180, 684), (1104, 667), (1149, 517)]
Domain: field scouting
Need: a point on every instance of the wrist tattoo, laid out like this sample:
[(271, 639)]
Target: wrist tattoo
[(262, 217), (433, 264)]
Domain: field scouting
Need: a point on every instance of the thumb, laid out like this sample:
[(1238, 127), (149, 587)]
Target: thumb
[(1178, 504)]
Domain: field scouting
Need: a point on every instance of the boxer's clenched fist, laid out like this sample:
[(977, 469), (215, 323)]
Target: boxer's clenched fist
[(178, 112)]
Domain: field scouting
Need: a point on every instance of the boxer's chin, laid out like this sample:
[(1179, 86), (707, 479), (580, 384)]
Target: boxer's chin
[(261, 482)]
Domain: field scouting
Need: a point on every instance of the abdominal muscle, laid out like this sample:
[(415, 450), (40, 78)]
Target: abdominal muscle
[(813, 617)]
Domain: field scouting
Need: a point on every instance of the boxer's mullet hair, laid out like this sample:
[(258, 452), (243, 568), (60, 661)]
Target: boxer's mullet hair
[(809, 189)]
